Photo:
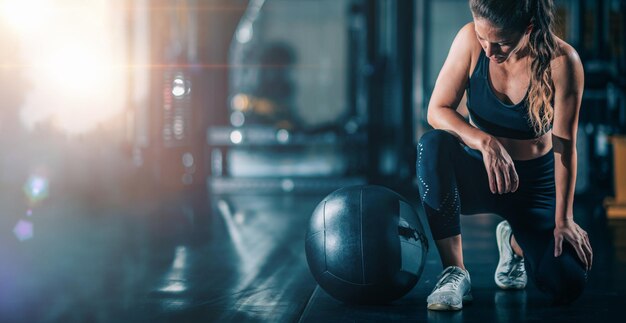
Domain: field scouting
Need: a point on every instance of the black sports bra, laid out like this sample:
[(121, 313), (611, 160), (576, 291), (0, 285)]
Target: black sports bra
[(489, 113)]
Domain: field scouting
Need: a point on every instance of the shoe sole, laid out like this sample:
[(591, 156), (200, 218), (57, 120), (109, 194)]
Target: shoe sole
[(495, 276), (444, 307), (509, 287)]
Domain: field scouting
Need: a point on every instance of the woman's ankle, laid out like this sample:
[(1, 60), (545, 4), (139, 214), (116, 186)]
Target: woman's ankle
[(515, 246), (446, 265)]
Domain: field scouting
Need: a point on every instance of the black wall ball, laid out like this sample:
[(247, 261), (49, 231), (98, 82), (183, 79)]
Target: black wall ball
[(365, 245)]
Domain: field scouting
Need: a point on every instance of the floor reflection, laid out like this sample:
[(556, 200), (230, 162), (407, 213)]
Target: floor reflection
[(242, 260), (510, 305)]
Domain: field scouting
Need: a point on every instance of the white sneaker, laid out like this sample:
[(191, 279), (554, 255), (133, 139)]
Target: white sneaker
[(510, 273), (451, 291)]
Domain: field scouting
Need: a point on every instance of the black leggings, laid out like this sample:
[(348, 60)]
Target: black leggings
[(453, 180)]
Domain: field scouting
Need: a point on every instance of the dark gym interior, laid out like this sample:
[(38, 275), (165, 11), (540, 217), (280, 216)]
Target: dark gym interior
[(160, 160)]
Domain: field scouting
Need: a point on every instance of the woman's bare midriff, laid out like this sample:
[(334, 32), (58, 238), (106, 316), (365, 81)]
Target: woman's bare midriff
[(526, 149)]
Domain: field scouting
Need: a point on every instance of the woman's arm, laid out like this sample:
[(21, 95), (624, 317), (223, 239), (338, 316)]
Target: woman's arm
[(449, 89), (442, 113), (568, 78)]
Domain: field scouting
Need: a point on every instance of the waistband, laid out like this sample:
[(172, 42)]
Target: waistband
[(536, 162), (541, 161)]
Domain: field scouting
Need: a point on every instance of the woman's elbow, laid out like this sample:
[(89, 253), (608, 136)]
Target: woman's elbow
[(431, 115)]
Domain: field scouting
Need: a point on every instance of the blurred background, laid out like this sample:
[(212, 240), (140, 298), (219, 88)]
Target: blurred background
[(133, 130)]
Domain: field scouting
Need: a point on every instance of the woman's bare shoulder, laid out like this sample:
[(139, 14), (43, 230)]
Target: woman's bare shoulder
[(565, 55), (566, 62), (467, 37)]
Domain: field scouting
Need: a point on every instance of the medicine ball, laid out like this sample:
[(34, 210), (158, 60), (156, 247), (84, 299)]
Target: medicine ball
[(365, 245)]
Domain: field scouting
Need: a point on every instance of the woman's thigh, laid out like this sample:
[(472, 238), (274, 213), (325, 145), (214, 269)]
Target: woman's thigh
[(473, 185)]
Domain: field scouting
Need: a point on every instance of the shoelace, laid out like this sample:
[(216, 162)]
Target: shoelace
[(453, 277)]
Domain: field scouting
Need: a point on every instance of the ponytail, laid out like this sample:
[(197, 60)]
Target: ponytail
[(542, 47)]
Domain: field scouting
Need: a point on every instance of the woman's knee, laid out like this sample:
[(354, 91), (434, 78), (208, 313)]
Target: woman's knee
[(563, 278), (433, 148), (436, 138)]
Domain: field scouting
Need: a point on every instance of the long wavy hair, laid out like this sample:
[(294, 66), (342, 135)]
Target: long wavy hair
[(516, 15)]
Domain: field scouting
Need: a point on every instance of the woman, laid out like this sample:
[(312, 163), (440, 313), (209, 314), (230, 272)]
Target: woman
[(516, 157)]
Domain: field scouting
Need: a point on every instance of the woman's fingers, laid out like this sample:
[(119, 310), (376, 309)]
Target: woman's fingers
[(578, 238), (508, 179), (492, 180), (578, 246), (578, 241), (514, 179), (588, 253), (587, 248), (499, 181), (558, 245), (502, 176), (506, 175)]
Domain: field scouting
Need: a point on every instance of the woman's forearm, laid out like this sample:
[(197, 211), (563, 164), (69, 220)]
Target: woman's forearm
[(450, 120), (565, 180)]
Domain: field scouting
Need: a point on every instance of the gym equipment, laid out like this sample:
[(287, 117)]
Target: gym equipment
[(365, 245)]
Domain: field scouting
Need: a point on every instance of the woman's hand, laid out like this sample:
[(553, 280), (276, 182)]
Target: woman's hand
[(500, 168), (577, 237)]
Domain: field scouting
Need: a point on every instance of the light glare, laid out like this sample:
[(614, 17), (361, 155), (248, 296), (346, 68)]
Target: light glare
[(25, 15), (236, 137), (75, 62), (178, 88)]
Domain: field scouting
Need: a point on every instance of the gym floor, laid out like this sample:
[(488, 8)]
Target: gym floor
[(243, 260)]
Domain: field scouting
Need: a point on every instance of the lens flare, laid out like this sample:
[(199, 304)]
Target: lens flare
[(75, 61), (26, 15), (36, 188), (23, 230)]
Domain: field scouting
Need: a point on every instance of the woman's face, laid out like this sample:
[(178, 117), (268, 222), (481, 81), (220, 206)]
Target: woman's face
[(499, 44)]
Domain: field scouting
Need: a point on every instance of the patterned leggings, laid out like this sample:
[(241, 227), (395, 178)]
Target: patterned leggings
[(453, 181)]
